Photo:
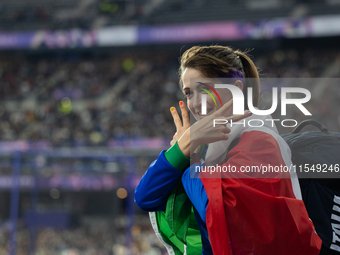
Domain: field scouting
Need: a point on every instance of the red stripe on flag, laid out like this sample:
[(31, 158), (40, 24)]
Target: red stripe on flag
[(257, 215)]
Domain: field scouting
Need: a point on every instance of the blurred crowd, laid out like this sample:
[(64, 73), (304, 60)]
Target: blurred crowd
[(32, 15), (78, 101), (95, 236), (88, 101)]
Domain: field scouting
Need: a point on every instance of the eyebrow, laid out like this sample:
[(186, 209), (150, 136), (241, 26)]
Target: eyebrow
[(200, 84), (205, 83)]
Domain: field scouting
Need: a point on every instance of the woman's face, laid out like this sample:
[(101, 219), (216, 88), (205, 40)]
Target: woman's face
[(194, 91)]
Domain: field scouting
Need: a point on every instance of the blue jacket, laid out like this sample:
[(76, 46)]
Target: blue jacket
[(161, 177)]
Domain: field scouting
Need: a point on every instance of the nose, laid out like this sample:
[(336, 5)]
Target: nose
[(195, 102)]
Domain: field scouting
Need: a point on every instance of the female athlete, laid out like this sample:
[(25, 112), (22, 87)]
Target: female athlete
[(201, 197)]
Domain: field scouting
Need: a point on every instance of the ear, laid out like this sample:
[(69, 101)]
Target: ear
[(239, 84)]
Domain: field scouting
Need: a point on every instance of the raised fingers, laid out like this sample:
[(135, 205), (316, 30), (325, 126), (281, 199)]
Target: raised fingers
[(185, 115), (177, 119)]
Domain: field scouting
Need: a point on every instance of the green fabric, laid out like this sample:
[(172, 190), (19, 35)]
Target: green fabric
[(176, 158), (193, 237), (177, 225), (167, 234)]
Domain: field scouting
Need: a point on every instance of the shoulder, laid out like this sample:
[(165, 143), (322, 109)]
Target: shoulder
[(264, 141), (259, 146)]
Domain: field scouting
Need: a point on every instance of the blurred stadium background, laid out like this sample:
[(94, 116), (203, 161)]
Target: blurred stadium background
[(86, 87)]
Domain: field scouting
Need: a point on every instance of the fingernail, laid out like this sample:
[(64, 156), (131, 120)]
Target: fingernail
[(172, 108), (180, 103), (250, 113)]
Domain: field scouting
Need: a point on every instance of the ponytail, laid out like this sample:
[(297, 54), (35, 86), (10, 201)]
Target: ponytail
[(252, 78)]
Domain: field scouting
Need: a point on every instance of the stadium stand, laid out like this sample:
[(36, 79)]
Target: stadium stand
[(89, 101), (91, 14)]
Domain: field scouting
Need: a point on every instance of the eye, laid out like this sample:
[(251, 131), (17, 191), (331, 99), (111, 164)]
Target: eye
[(187, 93)]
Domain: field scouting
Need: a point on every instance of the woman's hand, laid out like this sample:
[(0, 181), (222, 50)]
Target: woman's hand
[(181, 127), (205, 131)]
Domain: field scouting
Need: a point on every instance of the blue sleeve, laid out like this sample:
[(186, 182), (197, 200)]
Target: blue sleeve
[(153, 189), (195, 190)]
